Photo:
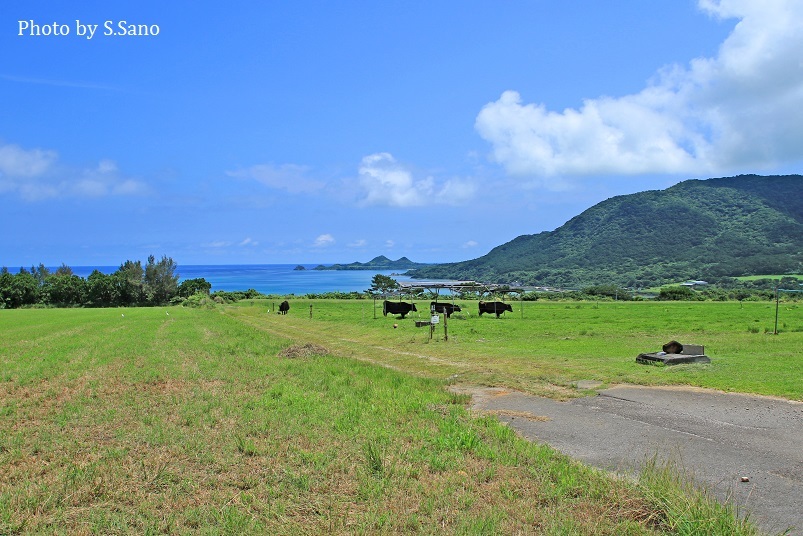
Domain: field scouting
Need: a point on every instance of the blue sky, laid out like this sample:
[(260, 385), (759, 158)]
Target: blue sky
[(307, 132)]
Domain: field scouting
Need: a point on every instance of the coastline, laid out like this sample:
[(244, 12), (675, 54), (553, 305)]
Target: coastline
[(269, 278)]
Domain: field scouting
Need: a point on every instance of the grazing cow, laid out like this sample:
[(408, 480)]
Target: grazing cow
[(495, 307), (284, 307), (397, 308), (445, 308)]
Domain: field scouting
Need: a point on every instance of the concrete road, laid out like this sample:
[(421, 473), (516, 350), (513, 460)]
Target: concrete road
[(743, 447)]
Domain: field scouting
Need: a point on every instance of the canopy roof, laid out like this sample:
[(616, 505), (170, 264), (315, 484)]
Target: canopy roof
[(455, 286)]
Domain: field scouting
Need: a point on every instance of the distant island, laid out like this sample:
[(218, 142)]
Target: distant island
[(299, 267), (377, 263)]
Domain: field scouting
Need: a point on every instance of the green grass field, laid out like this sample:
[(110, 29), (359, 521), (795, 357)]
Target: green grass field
[(777, 277), (235, 420), (548, 346)]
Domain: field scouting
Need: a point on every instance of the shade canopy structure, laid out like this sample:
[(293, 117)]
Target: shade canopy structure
[(409, 287)]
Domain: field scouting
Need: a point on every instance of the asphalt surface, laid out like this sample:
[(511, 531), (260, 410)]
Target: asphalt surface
[(745, 448)]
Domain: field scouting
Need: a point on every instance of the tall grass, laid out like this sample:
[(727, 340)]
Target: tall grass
[(680, 508)]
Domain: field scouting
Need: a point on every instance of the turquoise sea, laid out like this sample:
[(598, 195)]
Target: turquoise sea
[(269, 278)]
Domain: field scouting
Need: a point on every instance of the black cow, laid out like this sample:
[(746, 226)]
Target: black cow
[(445, 308), (284, 307), (397, 308), (495, 307)]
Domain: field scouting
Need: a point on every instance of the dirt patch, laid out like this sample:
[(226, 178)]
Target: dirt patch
[(481, 395), (520, 414), (303, 350)]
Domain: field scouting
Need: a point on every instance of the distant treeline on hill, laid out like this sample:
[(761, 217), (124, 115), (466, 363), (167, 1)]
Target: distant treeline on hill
[(156, 283), (377, 263)]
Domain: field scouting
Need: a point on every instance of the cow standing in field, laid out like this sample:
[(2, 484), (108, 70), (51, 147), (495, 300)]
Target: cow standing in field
[(445, 308), (397, 308), (495, 307), (284, 307)]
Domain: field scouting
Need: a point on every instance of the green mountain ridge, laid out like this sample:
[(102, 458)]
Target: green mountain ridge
[(696, 229), (377, 263)]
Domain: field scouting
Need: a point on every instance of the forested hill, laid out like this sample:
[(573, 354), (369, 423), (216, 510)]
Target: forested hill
[(377, 263), (697, 229)]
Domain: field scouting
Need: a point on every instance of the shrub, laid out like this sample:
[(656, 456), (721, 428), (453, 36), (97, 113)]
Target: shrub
[(200, 300), (676, 293)]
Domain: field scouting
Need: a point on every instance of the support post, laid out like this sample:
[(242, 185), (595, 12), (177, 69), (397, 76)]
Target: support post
[(776, 310), (445, 327)]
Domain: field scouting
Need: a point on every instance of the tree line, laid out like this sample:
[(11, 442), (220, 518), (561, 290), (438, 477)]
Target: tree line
[(131, 285), (156, 283)]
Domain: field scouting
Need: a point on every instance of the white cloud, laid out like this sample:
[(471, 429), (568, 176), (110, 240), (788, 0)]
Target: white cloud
[(35, 174), (104, 180), (386, 182), (129, 187), (470, 244), (289, 177), (324, 240), (223, 244), (18, 162), (389, 244), (743, 107), (217, 244), (358, 243)]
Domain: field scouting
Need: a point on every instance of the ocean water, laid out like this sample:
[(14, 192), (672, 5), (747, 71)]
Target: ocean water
[(269, 278)]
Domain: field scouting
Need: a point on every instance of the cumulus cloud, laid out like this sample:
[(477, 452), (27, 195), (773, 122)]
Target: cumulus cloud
[(221, 244), (105, 179), (18, 162), (386, 182), (743, 107), (35, 174), (217, 244), (324, 240), (289, 177)]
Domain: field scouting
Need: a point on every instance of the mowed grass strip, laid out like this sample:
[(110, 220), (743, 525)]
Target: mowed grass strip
[(549, 346), (193, 421)]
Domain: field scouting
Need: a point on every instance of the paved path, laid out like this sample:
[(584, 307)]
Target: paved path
[(720, 438)]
